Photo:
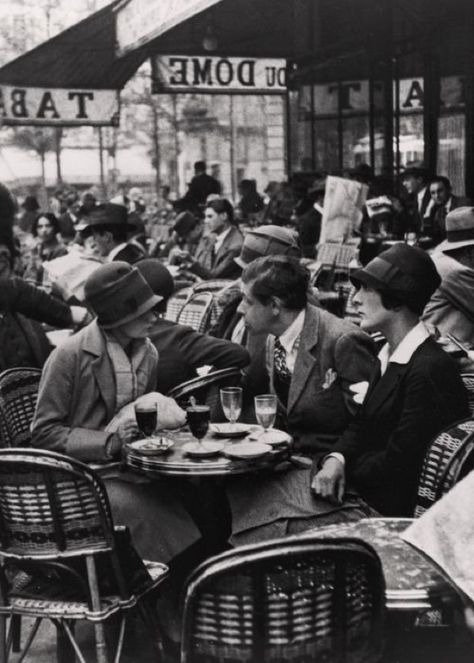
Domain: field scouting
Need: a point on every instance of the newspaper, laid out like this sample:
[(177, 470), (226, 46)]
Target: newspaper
[(69, 273), (342, 211)]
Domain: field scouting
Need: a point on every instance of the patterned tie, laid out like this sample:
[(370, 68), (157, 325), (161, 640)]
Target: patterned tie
[(279, 358)]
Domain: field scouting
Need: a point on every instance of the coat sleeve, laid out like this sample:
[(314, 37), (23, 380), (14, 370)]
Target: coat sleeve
[(51, 426), (201, 349), (22, 297)]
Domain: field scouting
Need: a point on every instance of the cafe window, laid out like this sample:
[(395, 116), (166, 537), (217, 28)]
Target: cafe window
[(451, 158)]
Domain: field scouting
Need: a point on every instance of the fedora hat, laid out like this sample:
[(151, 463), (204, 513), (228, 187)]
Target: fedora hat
[(459, 229), (118, 293), (407, 272), (106, 215), (267, 240), (157, 276)]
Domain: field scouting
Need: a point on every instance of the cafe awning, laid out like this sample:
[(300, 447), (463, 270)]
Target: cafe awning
[(71, 79)]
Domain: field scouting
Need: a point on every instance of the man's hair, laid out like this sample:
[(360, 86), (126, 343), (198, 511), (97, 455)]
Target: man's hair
[(221, 205), (119, 234), (278, 276), (199, 165), (441, 179)]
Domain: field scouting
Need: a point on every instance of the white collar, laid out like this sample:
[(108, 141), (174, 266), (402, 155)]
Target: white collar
[(421, 194), (220, 238), (293, 332), (318, 208), (115, 251), (405, 349)]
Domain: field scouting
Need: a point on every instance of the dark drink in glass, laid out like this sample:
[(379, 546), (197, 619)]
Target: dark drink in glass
[(147, 419), (198, 420)]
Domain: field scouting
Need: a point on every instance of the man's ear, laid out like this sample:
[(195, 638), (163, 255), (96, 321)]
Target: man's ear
[(276, 305)]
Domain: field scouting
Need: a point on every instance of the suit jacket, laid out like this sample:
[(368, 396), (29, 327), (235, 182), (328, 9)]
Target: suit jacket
[(332, 355), (451, 308), (200, 187), (435, 226), (76, 398), (309, 230), (402, 412), (223, 264), (181, 350), (130, 253)]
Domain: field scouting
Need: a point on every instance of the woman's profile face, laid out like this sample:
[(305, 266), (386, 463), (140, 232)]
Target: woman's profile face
[(373, 315), (44, 229)]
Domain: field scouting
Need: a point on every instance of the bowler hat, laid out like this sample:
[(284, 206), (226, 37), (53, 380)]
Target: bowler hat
[(407, 272), (267, 240), (415, 169), (118, 293), (157, 276), (459, 229), (107, 214), (185, 223)]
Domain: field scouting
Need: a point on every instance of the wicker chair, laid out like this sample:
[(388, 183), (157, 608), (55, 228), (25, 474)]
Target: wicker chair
[(213, 285), (197, 311), (205, 389), (297, 600), (468, 380), (18, 394), (176, 303), (56, 524), (438, 473)]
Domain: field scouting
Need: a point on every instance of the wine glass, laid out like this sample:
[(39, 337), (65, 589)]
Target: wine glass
[(198, 417), (265, 411), (231, 401), (147, 418)]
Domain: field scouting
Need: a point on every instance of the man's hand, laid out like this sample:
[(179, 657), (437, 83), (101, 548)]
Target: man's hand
[(127, 431), (330, 481)]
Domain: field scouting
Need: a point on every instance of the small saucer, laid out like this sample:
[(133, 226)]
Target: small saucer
[(247, 450), (229, 430), (152, 446), (205, 450)]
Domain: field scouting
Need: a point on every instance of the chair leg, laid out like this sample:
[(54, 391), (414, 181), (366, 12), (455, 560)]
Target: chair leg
[(30, 639), (150, 619), (3, 639), (16, 633), (65, 650), (100, 643)]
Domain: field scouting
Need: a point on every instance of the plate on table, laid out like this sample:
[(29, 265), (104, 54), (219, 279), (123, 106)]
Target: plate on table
[(273, 437), (152, 446), (205, 450), (247, 450), (230, 430)]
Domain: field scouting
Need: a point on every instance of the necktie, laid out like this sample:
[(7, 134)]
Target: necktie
[(279, 358)]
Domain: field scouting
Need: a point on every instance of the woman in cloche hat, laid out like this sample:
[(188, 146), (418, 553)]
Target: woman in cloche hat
[(415, 393), (88, 380)]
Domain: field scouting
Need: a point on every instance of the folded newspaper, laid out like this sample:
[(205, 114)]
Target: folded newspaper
[(170, 415), (445, 534)]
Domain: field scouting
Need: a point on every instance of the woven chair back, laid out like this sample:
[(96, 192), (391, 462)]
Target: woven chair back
[(197, 311), (176, 303), (206, 389), (51, 505), (468, 380), (18, 395), (438, 474), (292, 600), (213, 285)]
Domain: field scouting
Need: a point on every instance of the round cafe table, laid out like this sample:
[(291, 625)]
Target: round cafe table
[(176, 462)]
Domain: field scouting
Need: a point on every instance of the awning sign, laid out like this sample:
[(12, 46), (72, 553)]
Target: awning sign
[(140, 21), (58, 107), (188, 73)]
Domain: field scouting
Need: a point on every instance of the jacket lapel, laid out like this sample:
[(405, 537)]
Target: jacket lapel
[(305, 359), (382, 390), (224, 247), (94, 344)]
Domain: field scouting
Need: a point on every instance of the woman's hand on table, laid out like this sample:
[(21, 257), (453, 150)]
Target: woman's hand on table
[(330, 482)]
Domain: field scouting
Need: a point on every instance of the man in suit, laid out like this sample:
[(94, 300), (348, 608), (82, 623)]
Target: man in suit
[(313, 358), (451, 308), (415, 392), (219, 220), (309, 223), (110, 227), (443, 202), (201, 186), (415, 180)]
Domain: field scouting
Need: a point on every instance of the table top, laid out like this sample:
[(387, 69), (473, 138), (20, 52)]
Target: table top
[(175, 462), (412, 582)]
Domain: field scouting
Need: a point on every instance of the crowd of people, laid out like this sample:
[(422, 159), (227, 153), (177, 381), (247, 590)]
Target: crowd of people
[(361, 416)]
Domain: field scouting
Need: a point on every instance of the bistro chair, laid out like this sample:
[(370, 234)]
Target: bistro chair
[(176, 303), (56, 530), (196, 312), (293, 599), (18, 395), (205, 389), (439, 473), (468, 380), (213, 285)]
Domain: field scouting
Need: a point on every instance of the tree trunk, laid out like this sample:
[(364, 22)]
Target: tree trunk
[(57, 147), (156, 146)]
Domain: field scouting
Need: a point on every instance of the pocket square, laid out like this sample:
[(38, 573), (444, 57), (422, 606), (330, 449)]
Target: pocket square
[(359, 390), (329, 378)]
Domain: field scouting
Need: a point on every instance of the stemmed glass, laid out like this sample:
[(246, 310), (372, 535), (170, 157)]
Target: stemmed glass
[(231, 401), (198, 417), (265, 411), (147, 418)]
